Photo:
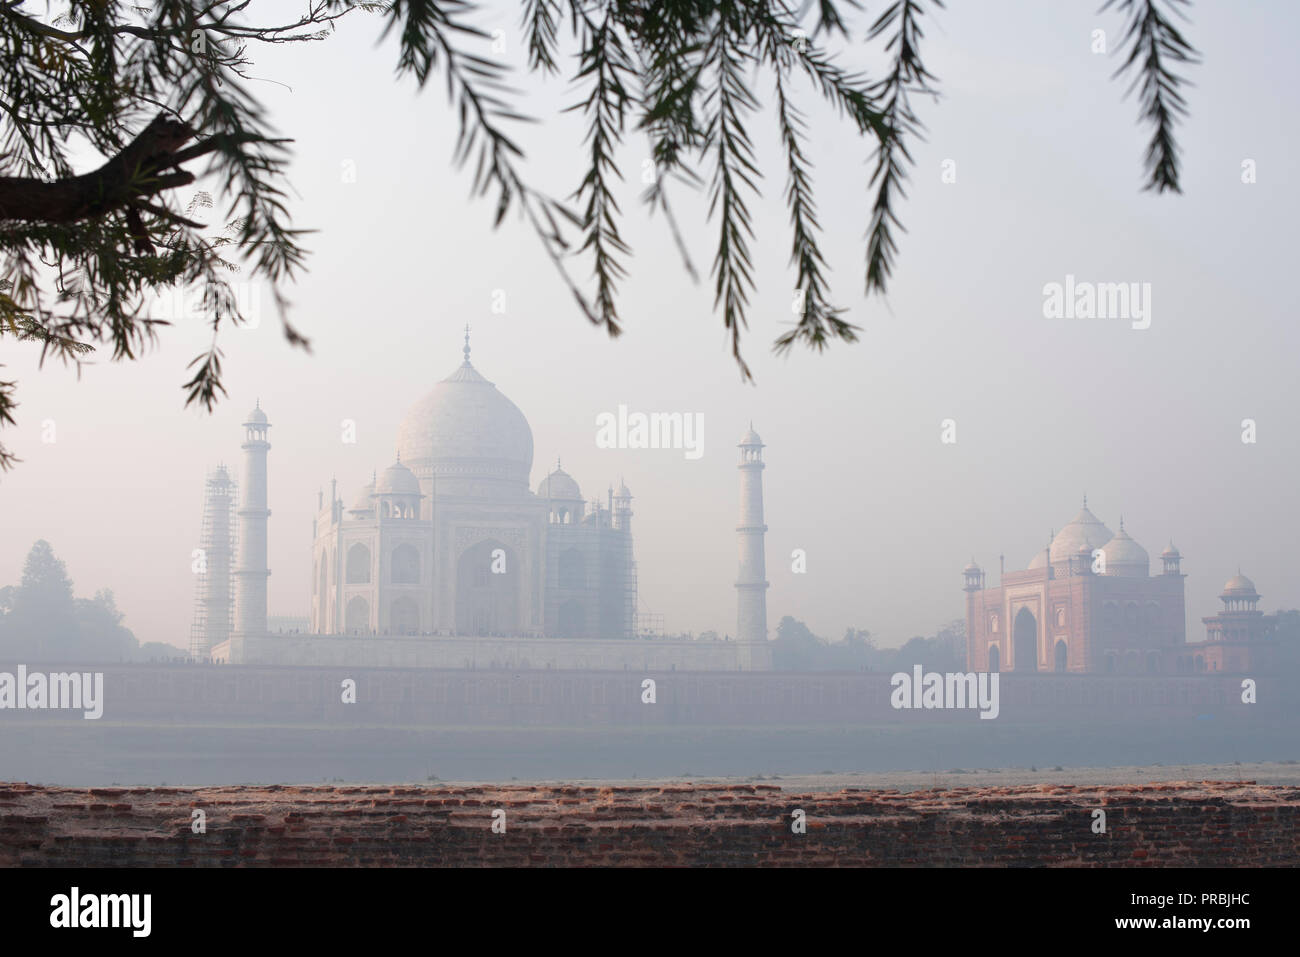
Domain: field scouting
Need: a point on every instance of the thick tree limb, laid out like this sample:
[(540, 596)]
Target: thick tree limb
[(127, 177)]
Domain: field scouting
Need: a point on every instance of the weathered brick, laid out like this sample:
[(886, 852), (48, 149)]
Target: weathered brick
[(1171, 824)]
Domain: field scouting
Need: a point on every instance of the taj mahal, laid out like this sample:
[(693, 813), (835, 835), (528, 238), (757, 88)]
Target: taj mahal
[(447, 557)]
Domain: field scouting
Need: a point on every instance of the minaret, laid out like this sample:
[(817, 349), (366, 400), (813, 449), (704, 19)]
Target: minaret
[(214, 603), (751, 581), (251, 572), (973, 576), (622, 505)]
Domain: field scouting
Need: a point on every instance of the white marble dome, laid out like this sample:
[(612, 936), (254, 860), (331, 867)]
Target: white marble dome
[(1125, 557), (559, 485), (465, 428), (1085, 529), (397, 480)]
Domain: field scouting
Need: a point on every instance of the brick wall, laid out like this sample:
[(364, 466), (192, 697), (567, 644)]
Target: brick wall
[(1183, 824)]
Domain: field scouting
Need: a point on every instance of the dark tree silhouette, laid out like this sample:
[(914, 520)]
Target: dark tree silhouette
[(41, 620), (155, 89)]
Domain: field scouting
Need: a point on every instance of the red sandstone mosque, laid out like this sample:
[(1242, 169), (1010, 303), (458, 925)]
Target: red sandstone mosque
[(1089, 604)]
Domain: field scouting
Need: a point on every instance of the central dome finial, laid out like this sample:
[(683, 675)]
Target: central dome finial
[(466, 349)]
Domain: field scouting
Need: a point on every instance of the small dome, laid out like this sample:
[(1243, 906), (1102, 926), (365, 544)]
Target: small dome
[(751, 438), (1239, 584), (1126, 557), (397, 480), (559, 485), (363, 503), (1170, 552), (971, 569), (257, 416), (622, 490)]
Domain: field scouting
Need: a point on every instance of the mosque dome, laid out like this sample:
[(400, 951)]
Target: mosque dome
[(1170, 552), (751, 438), (397, 480), (1239, 584), (256, 417), (1125, 557), (559, 485), (465, 428), (1085, 529)]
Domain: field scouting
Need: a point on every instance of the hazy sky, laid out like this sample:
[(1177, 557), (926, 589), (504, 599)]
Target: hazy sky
[(1048, 157)]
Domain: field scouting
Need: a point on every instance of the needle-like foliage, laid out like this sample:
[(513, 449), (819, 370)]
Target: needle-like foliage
[(160, 93), (1154, 44)]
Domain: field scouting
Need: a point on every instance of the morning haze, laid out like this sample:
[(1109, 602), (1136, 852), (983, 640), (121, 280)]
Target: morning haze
[(1146, 422)]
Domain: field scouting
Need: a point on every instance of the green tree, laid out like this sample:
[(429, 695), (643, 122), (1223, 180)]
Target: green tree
[(155, 89), (858, 637), (944, 651), (795, 647), (103, 637), (41, 620)]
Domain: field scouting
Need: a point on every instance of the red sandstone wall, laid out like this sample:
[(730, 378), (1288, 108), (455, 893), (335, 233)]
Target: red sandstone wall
[(1205, 824)]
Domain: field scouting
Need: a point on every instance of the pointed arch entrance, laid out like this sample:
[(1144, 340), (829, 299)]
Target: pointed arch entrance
[(1024, 649), (487, 590)]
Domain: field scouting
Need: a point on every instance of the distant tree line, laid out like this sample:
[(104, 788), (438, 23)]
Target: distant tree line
[(796, 648), (41, 619)]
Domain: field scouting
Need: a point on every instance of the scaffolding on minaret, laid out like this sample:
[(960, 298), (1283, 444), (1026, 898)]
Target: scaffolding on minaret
[(649, 624), (629, 591), (620, 508), (214, 596)]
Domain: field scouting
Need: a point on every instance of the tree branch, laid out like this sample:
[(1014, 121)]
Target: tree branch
[(126, 177)]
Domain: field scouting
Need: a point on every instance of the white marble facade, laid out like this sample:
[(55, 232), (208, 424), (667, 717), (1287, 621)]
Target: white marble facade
[(447, 559), (448, 539)]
